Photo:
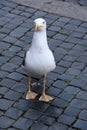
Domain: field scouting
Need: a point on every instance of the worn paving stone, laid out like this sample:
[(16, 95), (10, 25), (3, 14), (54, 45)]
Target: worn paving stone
[(81, 29), (73, 71), (77, 82), (66, 77), (53, 111), (83, 115), (82, 95), (71, 89), (64, 63), (52, 76), (53, 91), (42, 106), (5, 104), (67, 45), (16, 60), (63, 19), (19, 87), (18, 32), (58, 102), (77, 34), (32, 114), (5, 122), (39, 126), (3, 90), (66, 96), (4, 45), (13, 113), (15, 76), (72, 111), (61, 50), (7, 82), (74, 53), (60, 37), (80, 48), (12, 95), (9, 67), (83, 42), (46, 120), (15, 49), (10, 39), (8, 53), (60, 69), (73, 40), (83, 78), (57, 126), (82, 59), (78, 103), (78, 65), (59, 84), (81, 124), (3, 74), (12, 129), (23, 104), (66, 119), (3, 59), (2, 35), (23, 123)]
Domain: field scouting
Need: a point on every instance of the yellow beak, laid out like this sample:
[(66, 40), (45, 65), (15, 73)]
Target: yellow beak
[(37, 27)]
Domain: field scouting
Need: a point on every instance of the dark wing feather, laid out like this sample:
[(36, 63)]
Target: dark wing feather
[(23, 62)]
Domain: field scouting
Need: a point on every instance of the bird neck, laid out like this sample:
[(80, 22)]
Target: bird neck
[(40, 40)]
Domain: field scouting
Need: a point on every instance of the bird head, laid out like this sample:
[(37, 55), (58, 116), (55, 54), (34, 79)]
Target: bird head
[(40, 24)]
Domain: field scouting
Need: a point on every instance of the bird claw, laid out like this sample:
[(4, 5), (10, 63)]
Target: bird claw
[(45, 98), (31, 95)]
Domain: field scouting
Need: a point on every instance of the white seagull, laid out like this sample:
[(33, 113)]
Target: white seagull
[(39, 58)]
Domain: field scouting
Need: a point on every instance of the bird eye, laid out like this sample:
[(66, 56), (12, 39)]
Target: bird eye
[(43, 22)]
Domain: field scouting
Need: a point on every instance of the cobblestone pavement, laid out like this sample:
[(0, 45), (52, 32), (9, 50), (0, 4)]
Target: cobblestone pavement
[(67, 83), (79, 2)]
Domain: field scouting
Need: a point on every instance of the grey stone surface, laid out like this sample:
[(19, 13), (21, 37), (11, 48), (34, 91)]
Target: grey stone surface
[(67, 84), (83, 115), (23, 123), (59, 7), (57, 126), (66, 119), (33, 114), (13, 113), (72, 111), (81, 124), (38, 125), (5, 122), (5, 104)]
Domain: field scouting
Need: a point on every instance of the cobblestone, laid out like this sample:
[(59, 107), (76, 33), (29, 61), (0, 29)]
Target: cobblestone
[(12, 95), (67, 84), (23, 123), (46, 120), (58, 102), (72, 111), (81, 124), (38, 125), (57, 126), (5, 104), (10, 67), (5, 122), (33, 114), (13, 113), (66, 119), (53, 111)]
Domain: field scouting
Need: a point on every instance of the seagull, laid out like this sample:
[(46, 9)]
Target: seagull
[(39, 59)]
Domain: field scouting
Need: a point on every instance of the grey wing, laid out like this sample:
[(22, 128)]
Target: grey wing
[(23, 62)]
